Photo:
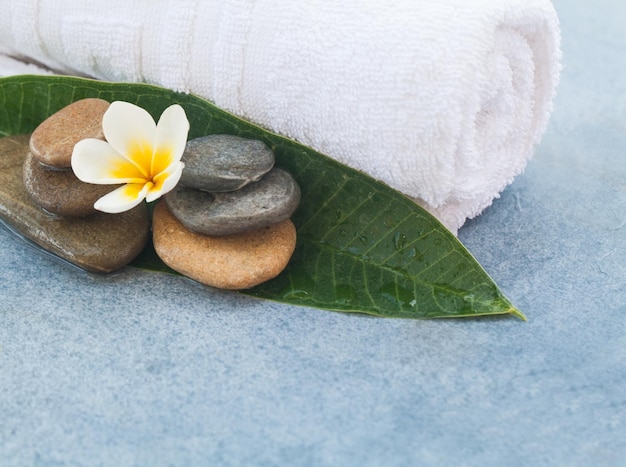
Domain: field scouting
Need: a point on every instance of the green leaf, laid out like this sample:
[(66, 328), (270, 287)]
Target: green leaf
[(362, 247)]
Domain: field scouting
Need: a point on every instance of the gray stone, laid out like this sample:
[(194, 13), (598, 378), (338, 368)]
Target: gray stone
[(60, 191), (269, 201), (100, 243), (219, 163)]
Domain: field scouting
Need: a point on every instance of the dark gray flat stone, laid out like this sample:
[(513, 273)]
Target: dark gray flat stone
[(269, 201)]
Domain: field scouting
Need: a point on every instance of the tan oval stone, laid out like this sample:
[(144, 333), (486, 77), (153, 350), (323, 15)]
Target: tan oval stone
[(53, 140), (60, 191), (234, 262), (100, 242)]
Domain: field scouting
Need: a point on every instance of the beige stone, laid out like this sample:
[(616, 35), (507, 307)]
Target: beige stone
[(100, 242), (53, 140), (60, 191), (234, 262)]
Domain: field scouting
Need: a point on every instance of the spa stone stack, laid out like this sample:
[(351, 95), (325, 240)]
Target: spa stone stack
[(48, 176), (227, 223), (63, 219)]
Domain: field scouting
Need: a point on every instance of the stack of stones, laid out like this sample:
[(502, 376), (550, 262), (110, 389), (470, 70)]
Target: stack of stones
[(48, 176), (227, 223), (71, 227)]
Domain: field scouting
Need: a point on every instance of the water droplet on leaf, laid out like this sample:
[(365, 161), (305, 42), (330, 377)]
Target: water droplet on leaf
[(399, 239)]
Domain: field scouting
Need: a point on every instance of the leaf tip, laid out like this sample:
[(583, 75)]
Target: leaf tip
[(517, 313)]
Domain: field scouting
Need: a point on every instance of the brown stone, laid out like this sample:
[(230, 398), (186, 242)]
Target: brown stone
[(60, 191), (100, 242), (53, 140), (234, 262)]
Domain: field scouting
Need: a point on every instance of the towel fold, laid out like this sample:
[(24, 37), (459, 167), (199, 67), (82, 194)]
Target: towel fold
[(443, 100), (19, 66)]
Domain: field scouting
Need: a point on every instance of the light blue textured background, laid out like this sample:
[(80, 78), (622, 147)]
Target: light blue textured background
[(148, 369)]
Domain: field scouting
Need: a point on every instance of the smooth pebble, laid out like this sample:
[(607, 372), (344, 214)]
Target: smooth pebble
[(53, 140), (100, 242), (269, 201), (233, 262), (60, 191), (219, 163)]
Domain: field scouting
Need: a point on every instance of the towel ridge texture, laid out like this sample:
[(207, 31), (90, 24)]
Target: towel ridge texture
[(444, 100)]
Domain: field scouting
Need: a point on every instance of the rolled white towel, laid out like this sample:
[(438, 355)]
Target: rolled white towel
[(443, 100)]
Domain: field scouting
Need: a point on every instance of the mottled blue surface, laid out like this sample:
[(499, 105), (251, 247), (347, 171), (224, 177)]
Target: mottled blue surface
[(148, 369)]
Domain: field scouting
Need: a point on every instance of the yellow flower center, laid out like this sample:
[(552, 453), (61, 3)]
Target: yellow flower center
[(145, 165)]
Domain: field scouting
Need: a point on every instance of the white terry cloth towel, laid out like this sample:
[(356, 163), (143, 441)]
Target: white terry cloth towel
[(443, 100)]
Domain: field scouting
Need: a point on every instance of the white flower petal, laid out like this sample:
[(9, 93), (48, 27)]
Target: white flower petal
[(172, 131), (122, 199), (167, 181), (95, 161), (131, 131), (138, 152)]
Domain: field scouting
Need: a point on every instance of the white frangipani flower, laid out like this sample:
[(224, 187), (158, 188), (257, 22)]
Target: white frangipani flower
[(137, 152)]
